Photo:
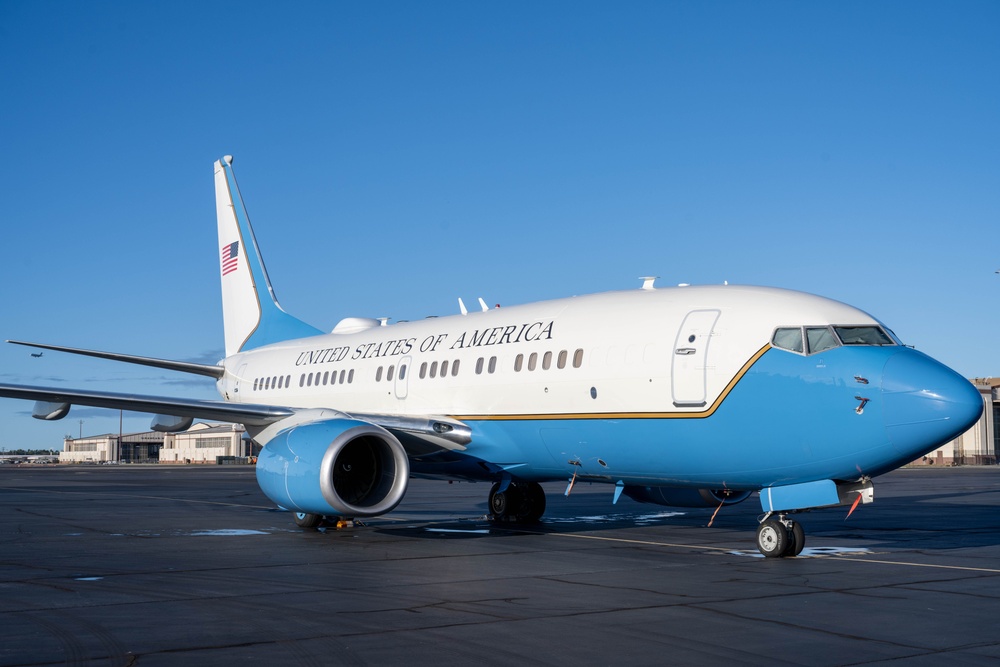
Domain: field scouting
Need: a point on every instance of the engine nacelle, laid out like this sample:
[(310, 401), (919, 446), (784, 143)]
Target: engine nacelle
[(683, 497), (338, 467)]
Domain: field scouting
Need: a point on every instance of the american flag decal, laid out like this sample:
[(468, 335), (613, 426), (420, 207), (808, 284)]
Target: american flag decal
[(230, 257)]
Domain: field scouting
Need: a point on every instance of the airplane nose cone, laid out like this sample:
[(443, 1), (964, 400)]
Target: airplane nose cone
[(925, 403)]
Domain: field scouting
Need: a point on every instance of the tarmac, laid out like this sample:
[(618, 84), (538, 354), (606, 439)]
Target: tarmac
[(167, 565)]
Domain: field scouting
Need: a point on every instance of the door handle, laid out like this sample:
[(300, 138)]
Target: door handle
[(685, 350)]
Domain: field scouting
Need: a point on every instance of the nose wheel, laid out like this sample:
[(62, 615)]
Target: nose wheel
[(780, 537)]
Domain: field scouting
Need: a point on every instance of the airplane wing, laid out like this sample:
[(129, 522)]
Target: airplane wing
[(430, 432), (243, 413)]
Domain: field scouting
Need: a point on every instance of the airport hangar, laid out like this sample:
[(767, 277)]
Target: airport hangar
[(228, 443)]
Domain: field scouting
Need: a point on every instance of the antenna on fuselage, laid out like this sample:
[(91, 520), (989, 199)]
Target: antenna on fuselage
[(461, 306), (647, 282)]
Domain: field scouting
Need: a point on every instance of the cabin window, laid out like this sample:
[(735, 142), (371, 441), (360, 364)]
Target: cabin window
[(444, 368), (255, 385), (493, 364), (533, 361), (389, 373), (350, 376), (454, 368), (561, 362), (277, 382), (378, 374), (402, 371), (547, 361), (578, 358), (434, 369), (267, 383), (302, 380), (326, 377), (423, 370), (518, 363), (342, 373), (479, 366)]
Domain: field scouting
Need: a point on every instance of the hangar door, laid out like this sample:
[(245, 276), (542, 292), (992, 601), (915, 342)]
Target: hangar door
[(688, 370)]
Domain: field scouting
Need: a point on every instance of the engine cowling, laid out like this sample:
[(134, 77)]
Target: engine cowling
[(683, 497), (337, 467)]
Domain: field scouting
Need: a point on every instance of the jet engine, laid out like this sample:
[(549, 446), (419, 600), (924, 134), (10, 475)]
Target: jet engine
[(683, 497), (337, 467)]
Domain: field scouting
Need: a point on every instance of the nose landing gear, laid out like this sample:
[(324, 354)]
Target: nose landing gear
[(780, 537)]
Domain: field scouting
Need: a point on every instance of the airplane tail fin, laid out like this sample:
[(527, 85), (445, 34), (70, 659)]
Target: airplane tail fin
[(252, 316)]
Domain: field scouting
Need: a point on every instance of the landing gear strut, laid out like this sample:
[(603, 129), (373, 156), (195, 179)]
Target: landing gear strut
[(780, 537), (520, 502)]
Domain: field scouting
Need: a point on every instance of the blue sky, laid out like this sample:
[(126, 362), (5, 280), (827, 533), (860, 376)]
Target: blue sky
[(396, 156)]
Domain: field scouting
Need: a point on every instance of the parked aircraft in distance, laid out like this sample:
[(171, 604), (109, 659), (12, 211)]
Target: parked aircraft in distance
[(686, 396)]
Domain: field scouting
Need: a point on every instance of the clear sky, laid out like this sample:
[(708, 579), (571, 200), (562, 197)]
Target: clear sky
[(396, 156)]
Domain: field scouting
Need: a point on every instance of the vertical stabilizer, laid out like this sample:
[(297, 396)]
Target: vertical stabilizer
[(251, 313)]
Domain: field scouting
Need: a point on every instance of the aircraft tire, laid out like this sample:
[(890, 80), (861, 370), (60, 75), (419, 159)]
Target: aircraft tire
[(501, 504), (796, 540), (522, 502), (306, 520), (772, 538)]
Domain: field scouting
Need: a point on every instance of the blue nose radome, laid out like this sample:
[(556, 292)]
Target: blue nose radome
[(926, 404)]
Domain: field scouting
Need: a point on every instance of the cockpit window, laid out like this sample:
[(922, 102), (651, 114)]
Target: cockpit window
[(788, 339), (813, 340), (863, 335), (820, 339)]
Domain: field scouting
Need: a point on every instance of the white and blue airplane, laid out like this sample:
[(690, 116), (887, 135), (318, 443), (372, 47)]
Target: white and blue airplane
[(688, 396)]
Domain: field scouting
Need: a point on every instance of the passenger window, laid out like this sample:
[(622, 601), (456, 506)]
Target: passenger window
[(378, 374), (578, 358), (493, 364), (434, 369), (547, 361), (444, 368), (454, 368), (342, 377), (350, 376), (561, 363), (533, 361), (423, 370), (326, 377), (479, 366), (820, 339), (402, 372), (389, 373), (518, 363), (788, 339)]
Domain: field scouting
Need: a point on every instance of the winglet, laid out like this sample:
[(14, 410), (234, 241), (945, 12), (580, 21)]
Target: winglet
[(251, 313)]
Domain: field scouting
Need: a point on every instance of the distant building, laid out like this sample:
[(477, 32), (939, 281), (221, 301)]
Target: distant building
[(130, 448), (202, 443), (980, 445)]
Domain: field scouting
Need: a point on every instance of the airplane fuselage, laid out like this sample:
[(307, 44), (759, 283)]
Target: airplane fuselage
[(678, 386)]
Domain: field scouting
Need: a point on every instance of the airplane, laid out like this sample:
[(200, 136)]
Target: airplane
[(37, 355), (690, 396)]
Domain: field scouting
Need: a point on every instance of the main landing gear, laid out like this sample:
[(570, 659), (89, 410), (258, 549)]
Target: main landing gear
[(520, 502), (780, 537)]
